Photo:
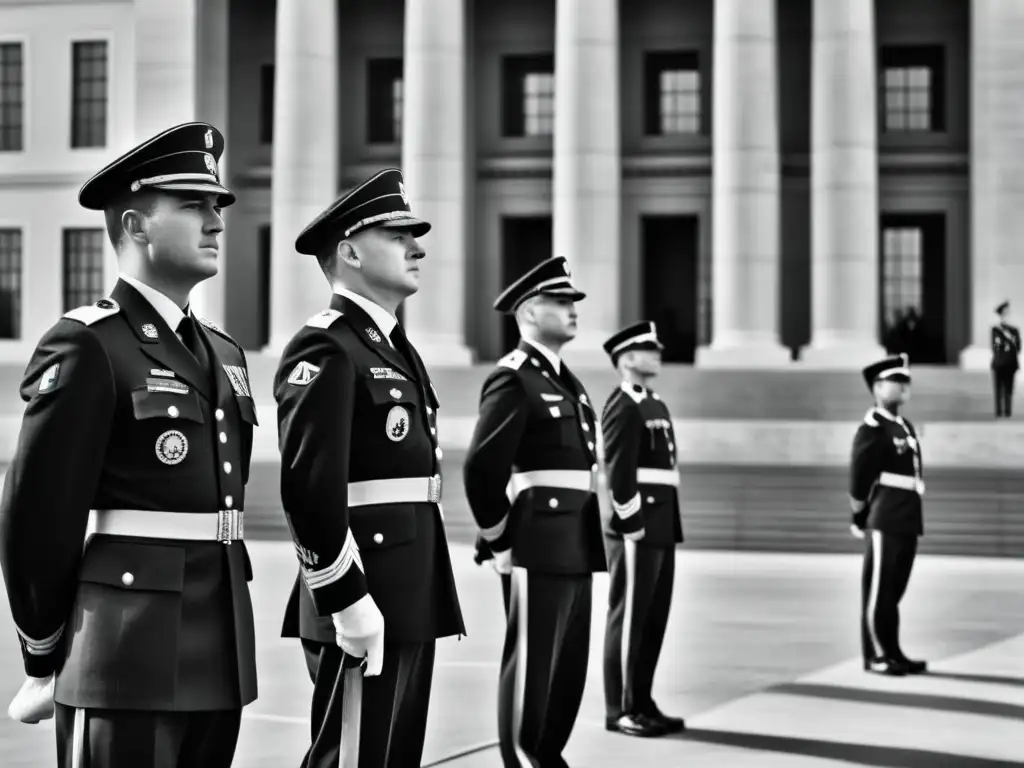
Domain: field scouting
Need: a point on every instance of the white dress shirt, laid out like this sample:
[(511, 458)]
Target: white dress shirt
[(555, 360), (380, 316)]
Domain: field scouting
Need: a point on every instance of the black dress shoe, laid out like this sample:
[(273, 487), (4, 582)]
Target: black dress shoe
[(890, 667), (670, 724), (914, 667), (635, 725)]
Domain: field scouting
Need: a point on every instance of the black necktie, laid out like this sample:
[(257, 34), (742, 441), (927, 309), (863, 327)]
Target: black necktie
[(566, 379), (187, 329), (404, 348)]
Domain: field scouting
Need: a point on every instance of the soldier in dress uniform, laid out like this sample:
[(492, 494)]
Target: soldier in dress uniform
[(530, 477), (640, 535), (361, 487), (145, 412), (885, 495), (1005, 360)]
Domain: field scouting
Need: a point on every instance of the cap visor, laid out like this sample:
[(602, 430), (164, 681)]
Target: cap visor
[(417, 227), (226, 196)]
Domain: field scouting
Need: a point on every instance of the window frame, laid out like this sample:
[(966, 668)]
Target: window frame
[(393, 68), (514, 119), (18, 313), (108, 81), (67, 291), (655, 64), (26, 133), (906, 57)]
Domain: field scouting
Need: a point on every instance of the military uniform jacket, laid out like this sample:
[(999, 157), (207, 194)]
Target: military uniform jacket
[(640, 463), (532, 422), (1005, 347), (352, 409), (886, 471), (120, 415)]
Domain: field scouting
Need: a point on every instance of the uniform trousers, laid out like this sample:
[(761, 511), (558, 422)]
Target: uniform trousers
[(371, 722), (112, 738), (543, 667), (1002, 382), (888, 560), (639, 597)]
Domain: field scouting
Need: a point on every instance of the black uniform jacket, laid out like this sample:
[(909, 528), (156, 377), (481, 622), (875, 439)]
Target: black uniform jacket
[(530, 419), (885, 471), (121, 416), (352, 409), (638, 438), (1005, 347)]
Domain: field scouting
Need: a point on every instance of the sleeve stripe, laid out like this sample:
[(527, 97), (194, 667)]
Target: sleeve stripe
[(348, 556), (495, 531), (41, 647), (629, 508)]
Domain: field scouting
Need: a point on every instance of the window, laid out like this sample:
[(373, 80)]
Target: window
[(902, 250), (12, 97), (10, 283), (672, 93), (384, 90), (528, 88), (89, 94), (913, 89), (83, 267), (267, 104)]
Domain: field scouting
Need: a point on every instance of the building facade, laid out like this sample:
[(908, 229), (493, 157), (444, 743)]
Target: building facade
[(775, 182)]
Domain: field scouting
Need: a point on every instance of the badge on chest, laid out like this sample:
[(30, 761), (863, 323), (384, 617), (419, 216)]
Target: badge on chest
[(397, 424)]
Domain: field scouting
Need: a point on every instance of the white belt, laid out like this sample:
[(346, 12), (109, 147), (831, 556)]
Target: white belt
[(395, 490), (651, 476), (571, 479), (904, 482), (224, 526)]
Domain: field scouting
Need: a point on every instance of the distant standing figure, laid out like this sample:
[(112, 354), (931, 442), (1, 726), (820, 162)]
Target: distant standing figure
[(1005, 352)]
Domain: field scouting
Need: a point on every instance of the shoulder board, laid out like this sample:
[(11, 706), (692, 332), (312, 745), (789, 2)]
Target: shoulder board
[(323, 319), (93, 313), (871, 418), (513, 359), (214, 327)]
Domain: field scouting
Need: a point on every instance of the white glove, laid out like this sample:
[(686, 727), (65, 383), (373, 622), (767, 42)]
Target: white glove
[(34, 701), (857, 532), (359, 632), (502, 561)]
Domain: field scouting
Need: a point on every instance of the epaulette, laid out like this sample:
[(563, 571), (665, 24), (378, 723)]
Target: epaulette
[(323, 319), (513, 359), (93, 313), (215, 328), (871, 419), (636, 393)]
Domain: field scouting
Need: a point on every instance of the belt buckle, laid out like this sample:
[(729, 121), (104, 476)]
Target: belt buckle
[(229, 525), (434, 489)]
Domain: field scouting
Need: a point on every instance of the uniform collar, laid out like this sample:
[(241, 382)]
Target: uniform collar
[(170, 312), (551, 357), (380, 316)]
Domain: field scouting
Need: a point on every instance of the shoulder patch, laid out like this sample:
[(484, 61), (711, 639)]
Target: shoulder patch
[(513, 359), (303, 373), (215, 328), (871, 418), (323, 319), (93, 313)]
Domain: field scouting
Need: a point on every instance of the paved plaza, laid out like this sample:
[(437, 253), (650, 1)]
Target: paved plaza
[(760, 658)]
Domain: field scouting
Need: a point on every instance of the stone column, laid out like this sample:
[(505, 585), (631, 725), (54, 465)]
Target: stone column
[(304, 157), (181, 75), (997, 167), (587, 166), (745, 207), (435, 158), (844, 186)]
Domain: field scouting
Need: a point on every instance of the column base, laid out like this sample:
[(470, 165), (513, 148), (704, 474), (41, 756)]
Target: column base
[(743, 351), (976, 357), (442, 350), (841, 354)]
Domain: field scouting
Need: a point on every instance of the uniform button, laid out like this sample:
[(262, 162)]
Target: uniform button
[(378, 538), (438, 452), (219, 414), (650, 499), (127, 578), (590, 445), (429, 410), (227, 467), (433, 430), (553, 503), (223, 437), (586, 427), (173, 411), (229, 501)]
